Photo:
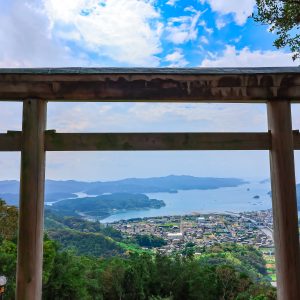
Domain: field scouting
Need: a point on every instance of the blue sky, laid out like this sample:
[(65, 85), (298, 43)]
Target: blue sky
[(144, 33)]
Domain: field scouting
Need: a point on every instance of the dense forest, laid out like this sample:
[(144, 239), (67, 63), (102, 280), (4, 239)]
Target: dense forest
[(76, 267)]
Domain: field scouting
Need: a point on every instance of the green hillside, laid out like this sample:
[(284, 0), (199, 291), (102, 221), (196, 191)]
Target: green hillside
[(85, 237), (78, 265)]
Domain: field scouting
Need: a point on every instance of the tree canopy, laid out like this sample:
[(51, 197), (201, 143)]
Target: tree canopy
[(283, 17)]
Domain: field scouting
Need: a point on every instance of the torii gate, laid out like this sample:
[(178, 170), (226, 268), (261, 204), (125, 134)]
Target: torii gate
[(277, 87)]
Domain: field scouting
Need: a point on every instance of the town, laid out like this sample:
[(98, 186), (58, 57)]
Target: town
[(252, 228), (205, 230)]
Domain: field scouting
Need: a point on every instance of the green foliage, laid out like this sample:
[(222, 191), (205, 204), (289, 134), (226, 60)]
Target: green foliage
[(50, 250), (149, 241), (140, 276), (8, 221), (189, 250), (67, 278), (245, 259), (85, 243), (84, 237), (144, 276), (283, 17), (8, 258), (227, 271)]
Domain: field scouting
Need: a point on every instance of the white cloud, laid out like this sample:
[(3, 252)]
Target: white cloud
[(90, 117), (190, 9), (220, 23), (26, 40), (208, 117), (176, 59), (143, 117), (205, 27), (237, 39), (127, 31), (204, 40), (183, 29), (241, 10), (231, 57), (171, 2)]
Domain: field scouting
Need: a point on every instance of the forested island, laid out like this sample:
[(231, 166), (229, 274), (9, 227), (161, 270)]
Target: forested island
[(105, 205)]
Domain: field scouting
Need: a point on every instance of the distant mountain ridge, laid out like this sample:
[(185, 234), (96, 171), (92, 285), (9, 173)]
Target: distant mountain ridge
[(113, 196), (153, 183), (56, 189)]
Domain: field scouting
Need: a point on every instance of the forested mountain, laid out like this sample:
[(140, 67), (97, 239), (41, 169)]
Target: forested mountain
[(162, 184)]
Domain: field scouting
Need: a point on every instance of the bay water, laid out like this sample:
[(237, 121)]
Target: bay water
[(251, 196)]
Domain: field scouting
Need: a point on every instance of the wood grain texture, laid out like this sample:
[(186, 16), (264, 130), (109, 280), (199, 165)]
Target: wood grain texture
[(156, 141), (143, 141), (31, 208), (11, 141), (165, 85), (284, 202)]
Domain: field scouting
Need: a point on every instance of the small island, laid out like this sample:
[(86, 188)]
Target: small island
[(256, 197), (105, 205)]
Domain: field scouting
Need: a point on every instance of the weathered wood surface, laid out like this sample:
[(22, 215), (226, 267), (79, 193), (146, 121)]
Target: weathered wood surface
[(143, 141), (156, 141), (31, 208), (284, 202), (12, 141), (173, 85)]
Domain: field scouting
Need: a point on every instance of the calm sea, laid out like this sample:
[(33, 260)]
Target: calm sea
[(247, 197)]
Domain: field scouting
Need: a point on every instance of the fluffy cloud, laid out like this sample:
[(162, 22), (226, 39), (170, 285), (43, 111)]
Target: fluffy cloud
[(90, 117), (204, 40), (220, 23), (231, 57), (203, 117), (26, 40), (143, 117), (240, 10), (183, 29), (126, 31), (36, 33), (176, 59), (171, 2), (205, 27)]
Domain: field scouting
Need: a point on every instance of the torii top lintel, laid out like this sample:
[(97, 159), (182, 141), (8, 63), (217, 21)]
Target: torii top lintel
[(151, 84)]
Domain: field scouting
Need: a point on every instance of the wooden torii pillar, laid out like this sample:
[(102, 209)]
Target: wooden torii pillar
[(284, 200), (31, 212)]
